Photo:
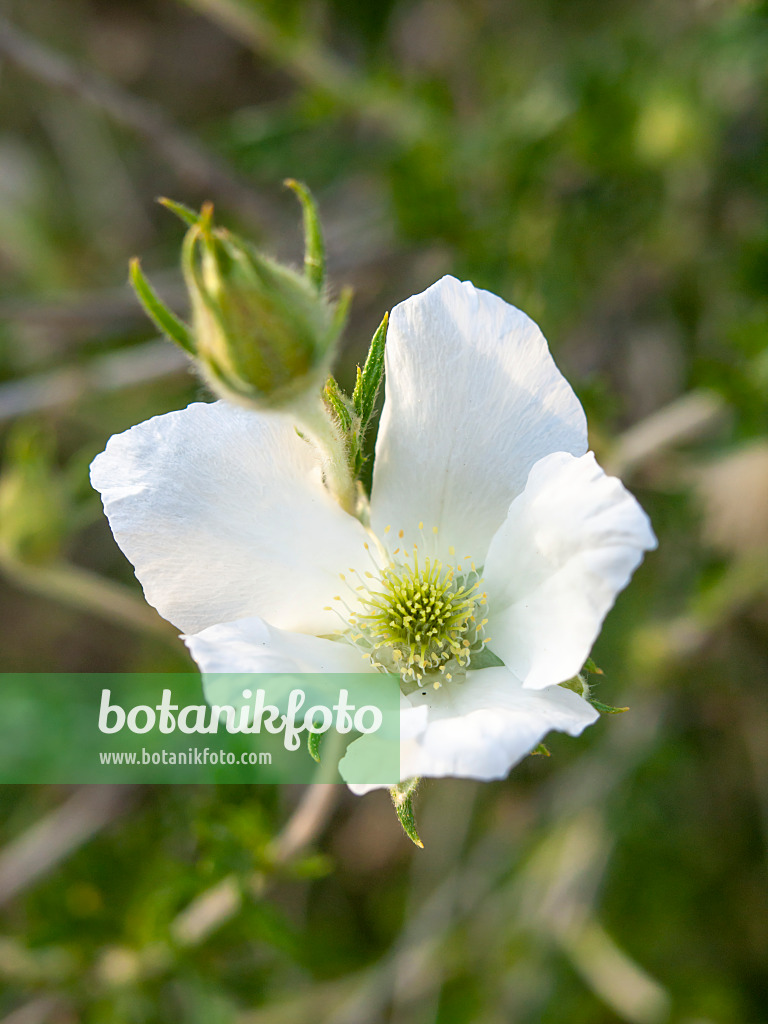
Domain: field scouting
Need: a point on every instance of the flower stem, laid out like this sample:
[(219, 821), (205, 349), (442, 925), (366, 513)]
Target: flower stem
[(315, 422)]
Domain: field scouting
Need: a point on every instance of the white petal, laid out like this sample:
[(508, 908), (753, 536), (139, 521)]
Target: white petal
[(481, 727), (223, 513), (252, 645), (569, 544), (225, 652), (473, 400), (413, 722)]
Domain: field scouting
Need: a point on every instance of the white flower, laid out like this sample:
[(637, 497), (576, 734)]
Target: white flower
[(483, 491)]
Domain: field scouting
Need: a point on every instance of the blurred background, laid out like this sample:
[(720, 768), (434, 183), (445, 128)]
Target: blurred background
[(602, 165)]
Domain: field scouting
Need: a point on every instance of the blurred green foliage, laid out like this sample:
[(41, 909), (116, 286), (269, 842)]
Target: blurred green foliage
[(605, 167)]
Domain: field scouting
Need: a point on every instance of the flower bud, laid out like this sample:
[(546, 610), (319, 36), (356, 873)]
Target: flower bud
[(262, 334)]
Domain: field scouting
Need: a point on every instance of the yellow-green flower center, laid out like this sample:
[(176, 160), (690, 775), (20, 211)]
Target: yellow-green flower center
[(420, 620)]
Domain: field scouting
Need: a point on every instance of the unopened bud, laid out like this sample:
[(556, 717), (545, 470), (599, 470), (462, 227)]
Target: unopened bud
[(262, 333)]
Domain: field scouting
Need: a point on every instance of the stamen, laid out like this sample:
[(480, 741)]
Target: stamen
[(417, 618)]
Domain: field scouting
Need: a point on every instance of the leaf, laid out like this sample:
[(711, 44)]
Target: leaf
[(402, 800), (158, 312), (314, 247), (541, 750)]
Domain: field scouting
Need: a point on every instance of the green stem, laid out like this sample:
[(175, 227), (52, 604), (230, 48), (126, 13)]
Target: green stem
[(314, 421)]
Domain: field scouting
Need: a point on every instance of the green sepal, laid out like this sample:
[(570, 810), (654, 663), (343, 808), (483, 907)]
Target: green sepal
[(591, 667), (606, 709), (313, 745), (341, 312), (184, 213), (338, 404), (484, 658), (541, 750), (158, 312), (402, 800), (314, 246), (366, 389), (578, 685), (369, 377)]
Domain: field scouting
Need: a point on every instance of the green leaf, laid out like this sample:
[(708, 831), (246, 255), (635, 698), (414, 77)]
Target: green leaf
[(402, 800), (541, 750), (314, 247), (185, 213), (158, 312), (313, 745), (606, 709)]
